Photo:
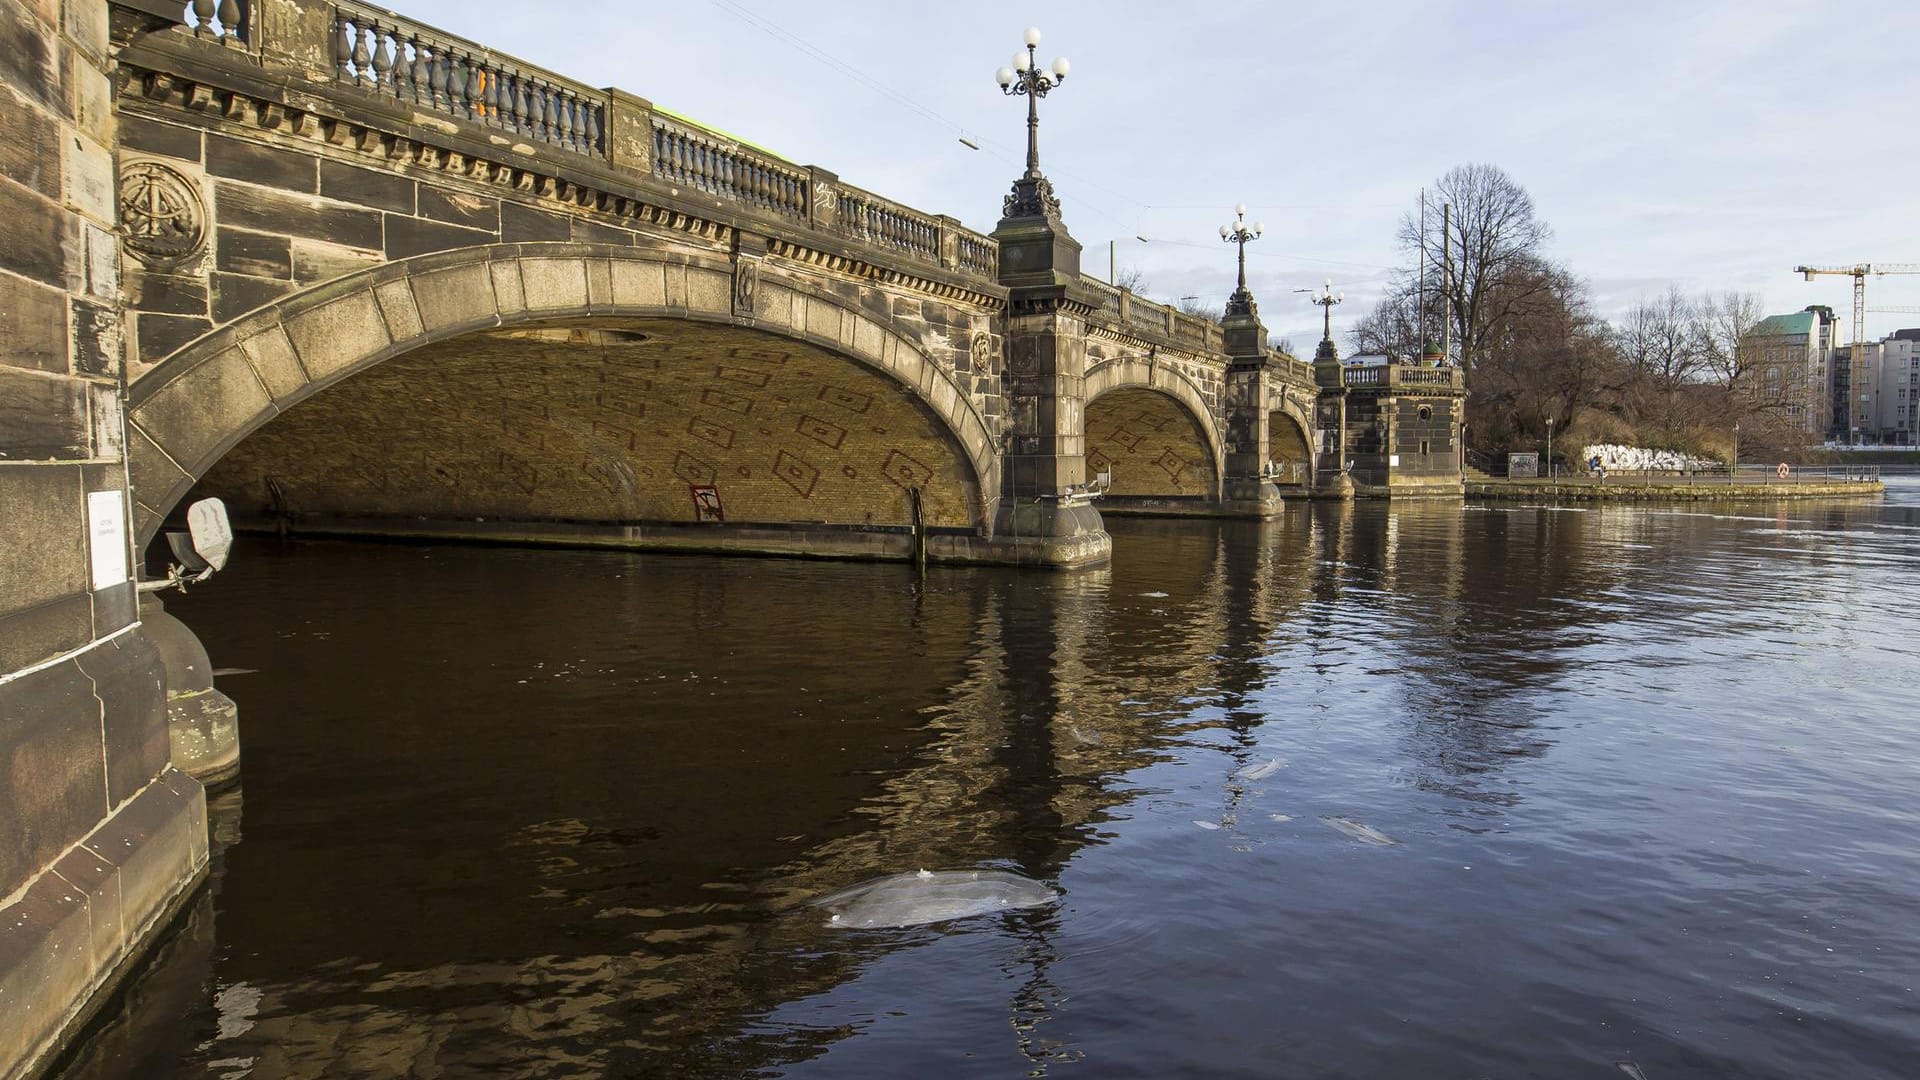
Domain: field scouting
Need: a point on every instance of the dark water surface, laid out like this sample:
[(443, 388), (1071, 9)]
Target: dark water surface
[(1653, 774)]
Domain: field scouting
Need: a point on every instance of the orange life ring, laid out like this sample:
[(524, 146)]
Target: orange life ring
[(1781, 470)]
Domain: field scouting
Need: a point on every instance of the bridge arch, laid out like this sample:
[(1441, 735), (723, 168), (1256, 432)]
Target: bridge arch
[(204, 399), (1128, 375), (1290, 438)]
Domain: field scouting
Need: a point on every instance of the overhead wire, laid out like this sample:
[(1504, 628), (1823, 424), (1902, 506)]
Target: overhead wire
[(1000, 149)]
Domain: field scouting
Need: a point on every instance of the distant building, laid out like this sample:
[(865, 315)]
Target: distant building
[(1790, 364), (1889, 400)]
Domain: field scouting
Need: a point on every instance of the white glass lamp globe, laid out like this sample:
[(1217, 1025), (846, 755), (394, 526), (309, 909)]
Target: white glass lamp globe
[(1004, 76), (1225, 232), (1033, 35), (1259, 227), (1241, 209), (1021, 61), (1060, 67)]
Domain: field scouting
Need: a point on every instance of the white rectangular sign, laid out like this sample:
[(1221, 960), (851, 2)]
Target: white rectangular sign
[(107, 537)]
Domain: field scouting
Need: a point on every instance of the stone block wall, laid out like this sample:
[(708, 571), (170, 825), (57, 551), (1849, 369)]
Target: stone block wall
[(100, 837)]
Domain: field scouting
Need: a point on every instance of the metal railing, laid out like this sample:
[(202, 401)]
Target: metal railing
[(1710, 473)]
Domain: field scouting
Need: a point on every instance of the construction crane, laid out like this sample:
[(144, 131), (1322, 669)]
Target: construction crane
[(1857, 388)]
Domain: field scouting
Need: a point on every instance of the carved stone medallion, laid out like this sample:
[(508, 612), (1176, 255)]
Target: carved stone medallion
[(162, 215), (982, 353), (746, 280)]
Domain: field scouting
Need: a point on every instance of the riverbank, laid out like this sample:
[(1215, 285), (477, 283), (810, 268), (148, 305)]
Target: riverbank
[(1583, 489)]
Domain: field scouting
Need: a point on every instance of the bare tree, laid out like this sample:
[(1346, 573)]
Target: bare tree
[(1727, 321), (1486, 262), (1132, 279), (1200, 309), (1553, 358)]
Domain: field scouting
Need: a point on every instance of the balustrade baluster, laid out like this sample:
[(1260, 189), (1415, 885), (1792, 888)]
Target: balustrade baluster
[(537, 111), (342, 49), (422, 73), (564, 130), (362, 57), (403, 87), (494, 97), (456, 82), (437, 79), (591, 137), (230, 20), (470, 87), (514, 104), (202, 18), (382, 59)]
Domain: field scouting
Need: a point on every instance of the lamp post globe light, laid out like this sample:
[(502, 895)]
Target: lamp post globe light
[(1326, 298), (1239, 232), (1032, 195)]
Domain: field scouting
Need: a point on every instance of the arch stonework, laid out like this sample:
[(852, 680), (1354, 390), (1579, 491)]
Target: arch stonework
[(1128, 373), (203, 399), (1282, 403)]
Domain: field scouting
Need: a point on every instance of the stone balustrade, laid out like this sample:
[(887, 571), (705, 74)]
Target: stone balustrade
[(871, 219), (394, 57), (1397, 376), (686, 155), (224, 21), (978, 254)]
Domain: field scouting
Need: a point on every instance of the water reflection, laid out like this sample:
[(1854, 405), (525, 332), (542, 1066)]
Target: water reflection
[(557, 813)]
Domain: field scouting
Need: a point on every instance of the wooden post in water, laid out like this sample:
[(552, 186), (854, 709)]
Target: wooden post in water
[(919, 533)]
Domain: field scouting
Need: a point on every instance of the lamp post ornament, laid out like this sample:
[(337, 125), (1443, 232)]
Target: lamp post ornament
[(1241, 302), (1032, 195), (1326, 298)]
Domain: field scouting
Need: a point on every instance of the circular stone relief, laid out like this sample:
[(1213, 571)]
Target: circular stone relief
[(162, 214)]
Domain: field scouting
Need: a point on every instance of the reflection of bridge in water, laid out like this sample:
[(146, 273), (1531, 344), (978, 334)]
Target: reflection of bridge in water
[(356, 275), (1045, 703)]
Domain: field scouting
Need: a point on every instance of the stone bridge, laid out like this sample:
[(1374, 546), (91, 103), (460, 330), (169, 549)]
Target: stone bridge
[(358, 276), (546, 311)]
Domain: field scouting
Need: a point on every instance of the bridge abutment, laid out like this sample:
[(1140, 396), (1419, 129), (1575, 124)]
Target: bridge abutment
[(101, 840)]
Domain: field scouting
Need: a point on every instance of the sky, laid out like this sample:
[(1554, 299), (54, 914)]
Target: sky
[(1709, 145)]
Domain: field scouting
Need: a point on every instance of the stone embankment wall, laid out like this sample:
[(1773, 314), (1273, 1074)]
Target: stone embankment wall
[(100, 839)]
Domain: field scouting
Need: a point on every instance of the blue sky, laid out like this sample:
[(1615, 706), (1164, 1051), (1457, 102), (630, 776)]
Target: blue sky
[(1710, 144)]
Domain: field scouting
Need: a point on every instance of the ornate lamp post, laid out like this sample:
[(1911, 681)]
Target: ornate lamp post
[(1326, 298), (1032, 195), (1549, 447), (1241, 302)]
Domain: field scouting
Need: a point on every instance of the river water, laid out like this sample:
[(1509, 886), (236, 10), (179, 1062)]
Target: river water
[(1652, 778)]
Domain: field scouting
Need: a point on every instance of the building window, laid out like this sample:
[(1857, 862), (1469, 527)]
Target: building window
[(1423, 442), (1426, 413)]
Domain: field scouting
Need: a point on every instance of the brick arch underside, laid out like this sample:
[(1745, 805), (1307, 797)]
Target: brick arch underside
[(625, 343), (1152, 443), (604, 426)]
